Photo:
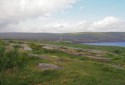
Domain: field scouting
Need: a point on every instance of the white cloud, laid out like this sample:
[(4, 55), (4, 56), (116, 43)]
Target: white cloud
[(106, 25), (106, 22), (109, 24), (32, 16), (13, 9)]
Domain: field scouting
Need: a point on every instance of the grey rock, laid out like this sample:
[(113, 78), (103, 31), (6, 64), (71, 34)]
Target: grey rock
[(46, 66)]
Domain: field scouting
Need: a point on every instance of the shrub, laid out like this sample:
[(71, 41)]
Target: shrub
[(11, 59), (117, 51)]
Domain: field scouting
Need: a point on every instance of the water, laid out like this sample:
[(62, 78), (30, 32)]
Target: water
[(121, 44)]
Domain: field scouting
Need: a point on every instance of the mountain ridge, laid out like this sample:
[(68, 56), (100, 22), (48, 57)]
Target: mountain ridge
[(80, 37)]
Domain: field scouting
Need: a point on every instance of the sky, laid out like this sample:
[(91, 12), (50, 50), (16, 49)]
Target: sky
[(62, 16)]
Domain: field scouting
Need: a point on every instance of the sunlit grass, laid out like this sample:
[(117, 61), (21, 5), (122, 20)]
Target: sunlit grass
[(78, 70)]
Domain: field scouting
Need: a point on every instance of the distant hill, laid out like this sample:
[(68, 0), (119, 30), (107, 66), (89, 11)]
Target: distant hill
[(74, 37)]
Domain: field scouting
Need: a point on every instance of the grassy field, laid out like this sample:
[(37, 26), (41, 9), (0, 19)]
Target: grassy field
[(82, 64)]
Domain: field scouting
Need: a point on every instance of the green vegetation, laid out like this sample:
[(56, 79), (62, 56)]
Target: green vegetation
[(18, 67), (11, 58)]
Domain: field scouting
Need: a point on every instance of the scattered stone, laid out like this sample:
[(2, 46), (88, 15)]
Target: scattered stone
[(38, 56), (96, 51), (89, 53), (118, 67), (100, 59), (26, 47), (51, 47), (46, 66)]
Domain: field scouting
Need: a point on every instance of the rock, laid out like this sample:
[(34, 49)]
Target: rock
[(118, 67), (100, 59), (26, 47), (51, 47), (46, 66), (38, 56)]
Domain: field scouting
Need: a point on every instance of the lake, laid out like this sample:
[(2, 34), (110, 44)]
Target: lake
[(121, 44)]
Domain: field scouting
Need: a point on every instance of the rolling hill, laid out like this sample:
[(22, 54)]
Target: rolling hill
[(73, 37)]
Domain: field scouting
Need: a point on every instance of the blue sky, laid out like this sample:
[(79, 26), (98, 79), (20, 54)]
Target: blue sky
[(62, 16), (94, 9)]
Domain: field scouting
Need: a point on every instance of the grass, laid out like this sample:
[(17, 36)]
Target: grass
[(78, 70), (11, 58)]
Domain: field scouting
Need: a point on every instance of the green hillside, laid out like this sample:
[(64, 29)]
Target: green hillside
[(73, 37), (60, 63)]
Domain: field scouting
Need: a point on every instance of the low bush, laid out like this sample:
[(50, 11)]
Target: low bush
[(12, 58), (117, 51)]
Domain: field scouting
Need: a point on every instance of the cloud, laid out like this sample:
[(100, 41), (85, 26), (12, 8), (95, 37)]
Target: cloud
[(14, 9), (108, 24), (35, 16)]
